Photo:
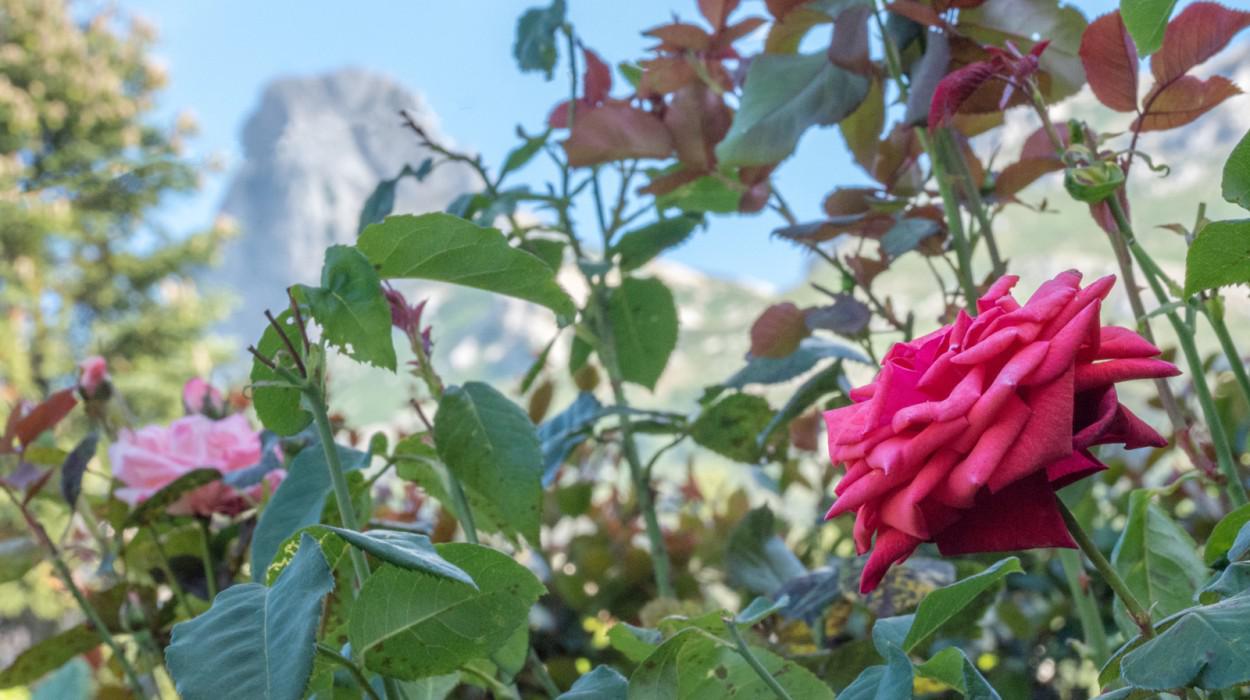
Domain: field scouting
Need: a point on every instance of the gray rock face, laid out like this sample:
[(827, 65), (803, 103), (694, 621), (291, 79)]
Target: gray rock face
[(313, 150)]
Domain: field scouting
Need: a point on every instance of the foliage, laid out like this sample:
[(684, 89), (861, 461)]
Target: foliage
[(562, 537)]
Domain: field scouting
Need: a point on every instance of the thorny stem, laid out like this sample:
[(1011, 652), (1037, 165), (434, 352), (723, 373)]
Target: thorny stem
[(342, 494), (1185, 337), (88, 610), (206, 554), (753, 662), (168, 570), (1135, 609), (954, 222)]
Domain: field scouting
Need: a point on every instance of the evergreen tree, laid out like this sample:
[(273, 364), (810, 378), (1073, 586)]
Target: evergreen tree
[(84, 268)]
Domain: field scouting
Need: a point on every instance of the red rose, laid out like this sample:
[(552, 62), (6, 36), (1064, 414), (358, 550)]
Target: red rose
[(966, 433)]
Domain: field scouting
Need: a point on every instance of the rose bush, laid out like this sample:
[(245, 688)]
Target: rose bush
[(966, 433)]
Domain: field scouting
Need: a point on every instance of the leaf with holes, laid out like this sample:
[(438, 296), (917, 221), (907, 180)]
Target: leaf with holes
[(350, 308), (409, 624), (490, 445), (255, 641), (446, 248), (1219, 256)]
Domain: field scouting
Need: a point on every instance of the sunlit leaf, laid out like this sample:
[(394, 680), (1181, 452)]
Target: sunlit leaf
[(350, 308), (1219, 256)]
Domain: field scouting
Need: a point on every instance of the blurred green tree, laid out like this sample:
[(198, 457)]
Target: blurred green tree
[(84, 267)]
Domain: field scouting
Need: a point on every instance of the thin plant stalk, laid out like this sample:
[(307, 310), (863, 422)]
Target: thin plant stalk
[(206, 555), (745, 651), (338, 480), (1235, 361), (954, 222), (88, 610), (1185, 337), (1086, 606), (1136, 610), (168, 570), (972, 193)]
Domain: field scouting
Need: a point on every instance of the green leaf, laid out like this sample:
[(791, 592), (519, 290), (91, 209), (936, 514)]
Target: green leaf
[(1241, 543), (17, 556), (767, 370), (431, 688), (447, 248), (893, 681), (1146, 21), (1233, 580), (709, 194), (943, 604), (565, 431), (1157, 559), (760, 609), (644, 323), (349, 306), (817, 387), (729, 427), (256, 641), (519, 156), (382, 200), (636, 643), (298, 502), (1219, 256), (906, 234), (756, 558), (409, 624), (490, 445), (640, 246), (49, 654), (1236, 181), (278, 407), (1223, 535), (602, 683), (535, 44), (1204, 647), (155, 506), (694, 665), (407, 550), (783, 96)]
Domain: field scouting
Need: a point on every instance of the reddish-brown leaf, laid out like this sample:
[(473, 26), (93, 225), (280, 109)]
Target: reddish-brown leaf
[(805, 431), (845, 201), (46, 415), (597, 82), (1199, 32), (849, 48), (665, 75), (755, 198), (668, 182), (780, 8), (616, 131), (1022, 173), (778, 331), (679, 36), (1039, 146), (917, 12), (717, 11), (738, 30), (953, 90), (1184, 100), (865, 269), (698, 119), (1110, 59)]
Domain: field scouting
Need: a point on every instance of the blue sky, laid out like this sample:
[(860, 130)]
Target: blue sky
[(458, 53)]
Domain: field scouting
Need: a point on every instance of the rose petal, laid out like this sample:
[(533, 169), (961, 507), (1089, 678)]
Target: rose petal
[(1045, 438), (1115, 371), (890, 548), (1073, 468), (974, 471), (1022, 516)]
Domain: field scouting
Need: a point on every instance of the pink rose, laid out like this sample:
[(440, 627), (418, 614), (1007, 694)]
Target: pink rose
[(966, 434), (93, 374), (147, 459), (198, 396)]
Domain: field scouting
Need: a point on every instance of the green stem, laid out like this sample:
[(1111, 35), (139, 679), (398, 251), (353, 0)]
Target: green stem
[(972, 193), (88, 610), (753, 662), (351, 666), (544, 678), (1185, 337), (954, 223), (646, 501), (1235, 361), (206, 555), (1086, 606), (342, 494), (1135, 609), (168, 570)]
